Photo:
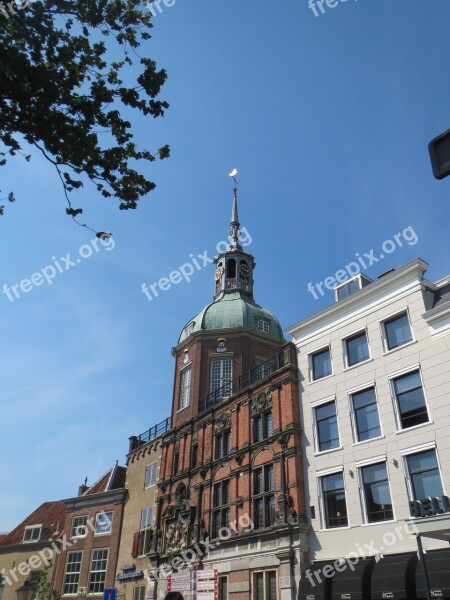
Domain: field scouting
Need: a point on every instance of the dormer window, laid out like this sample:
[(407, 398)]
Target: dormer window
[(32, 534), (189, 330), (263, 325)]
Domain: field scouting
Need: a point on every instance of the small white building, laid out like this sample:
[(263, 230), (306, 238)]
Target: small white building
[(375, 409)]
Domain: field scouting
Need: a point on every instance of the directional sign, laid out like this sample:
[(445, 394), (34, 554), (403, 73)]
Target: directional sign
[(179, 586), (207, 574), (207, 596), (185, 576), (207, 585)]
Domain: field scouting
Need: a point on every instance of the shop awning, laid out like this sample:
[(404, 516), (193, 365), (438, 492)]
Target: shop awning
[(438, 568), (353, 581), (315, 586), (393, 577)]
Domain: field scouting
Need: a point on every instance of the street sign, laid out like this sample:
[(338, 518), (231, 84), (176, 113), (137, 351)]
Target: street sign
[(208, 585), (207, 596), (179, 586), (207, 574), (185, 576), (109, 594)]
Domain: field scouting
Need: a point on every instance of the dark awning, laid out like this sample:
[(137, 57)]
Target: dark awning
[(352, 581), (393, 577), (438, 569), (313, 584)]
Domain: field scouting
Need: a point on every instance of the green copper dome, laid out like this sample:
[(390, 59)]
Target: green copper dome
[(230, 312)]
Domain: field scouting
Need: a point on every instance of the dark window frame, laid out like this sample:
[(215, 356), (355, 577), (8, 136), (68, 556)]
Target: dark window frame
[(313, 370), (263, 497)]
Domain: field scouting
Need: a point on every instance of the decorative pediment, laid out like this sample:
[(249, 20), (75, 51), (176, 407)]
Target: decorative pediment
[(261, 402), (222, 421)]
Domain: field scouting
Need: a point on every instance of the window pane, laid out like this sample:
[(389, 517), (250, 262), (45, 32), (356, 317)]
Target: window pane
[(259, 586), (258, 428), (258, 509), (425, 477), (270, 511), (398, 332), (327, 428), (185, 389), (271, 585), (269, 423), (411, 400), (335, 507), (321, 364), (366, 415), (270, 478), (221, 375), (357, 349), (377, 493), (258, 481)]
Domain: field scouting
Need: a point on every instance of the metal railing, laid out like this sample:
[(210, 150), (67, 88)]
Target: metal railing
[(152, 433), (255, 375)]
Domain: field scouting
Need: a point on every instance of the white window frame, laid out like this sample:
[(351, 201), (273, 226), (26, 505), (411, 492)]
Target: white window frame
[(397, 313), (153, 475), (70, 552), (182, 401), (319, 475), (149, 523), (264, 571), (263, 325), (396, 375), (74, 528), (367, 463), (350, 394), (105, 570), (417, 450), (98, 521), (318, 404), (138, 589), (311, 363), (31, 528), (344, 341), (222, 379)]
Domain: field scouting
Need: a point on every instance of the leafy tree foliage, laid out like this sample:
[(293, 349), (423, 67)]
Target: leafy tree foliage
[(66, 79)]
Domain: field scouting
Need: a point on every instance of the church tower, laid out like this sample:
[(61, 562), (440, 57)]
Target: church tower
[(231, 477)]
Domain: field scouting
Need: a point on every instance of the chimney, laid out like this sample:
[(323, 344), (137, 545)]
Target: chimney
[(83, 487)]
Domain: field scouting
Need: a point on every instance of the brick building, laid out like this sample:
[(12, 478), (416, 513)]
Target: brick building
[(231, 493), (143, 467), (93, 526), (31, 547)]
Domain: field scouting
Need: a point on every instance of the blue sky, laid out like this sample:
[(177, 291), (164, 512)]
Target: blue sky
[(327, 119)]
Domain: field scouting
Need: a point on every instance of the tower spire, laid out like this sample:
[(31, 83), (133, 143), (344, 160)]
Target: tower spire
[(234, 224)]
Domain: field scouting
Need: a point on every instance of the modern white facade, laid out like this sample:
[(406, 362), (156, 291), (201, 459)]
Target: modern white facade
[(375, 408)]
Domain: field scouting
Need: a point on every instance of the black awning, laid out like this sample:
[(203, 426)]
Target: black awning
[(352, 580), (393, 577), (438, 568), (313, 584)]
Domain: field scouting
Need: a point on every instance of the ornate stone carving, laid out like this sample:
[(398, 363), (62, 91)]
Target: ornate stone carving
[(261, 401), (283, 439), (285, 512), (222, 421), (240, 457)]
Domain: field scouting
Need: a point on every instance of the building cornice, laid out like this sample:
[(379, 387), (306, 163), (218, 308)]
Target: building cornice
[(410, 273)]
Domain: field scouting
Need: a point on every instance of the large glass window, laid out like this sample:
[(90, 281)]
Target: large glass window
[(262, 426), (265, 585), (97, 573), (398, 331), (333, 499), (365, 410), (410, 400), (357, 349), (185, 388), (221, 376), (145, 533), (79, 527), (263, 496), (424, 475), (321, 364), (72, 572), (377, 494), (103, 522), (326, 426), (150, 475), (221, 507), (222, 444)]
